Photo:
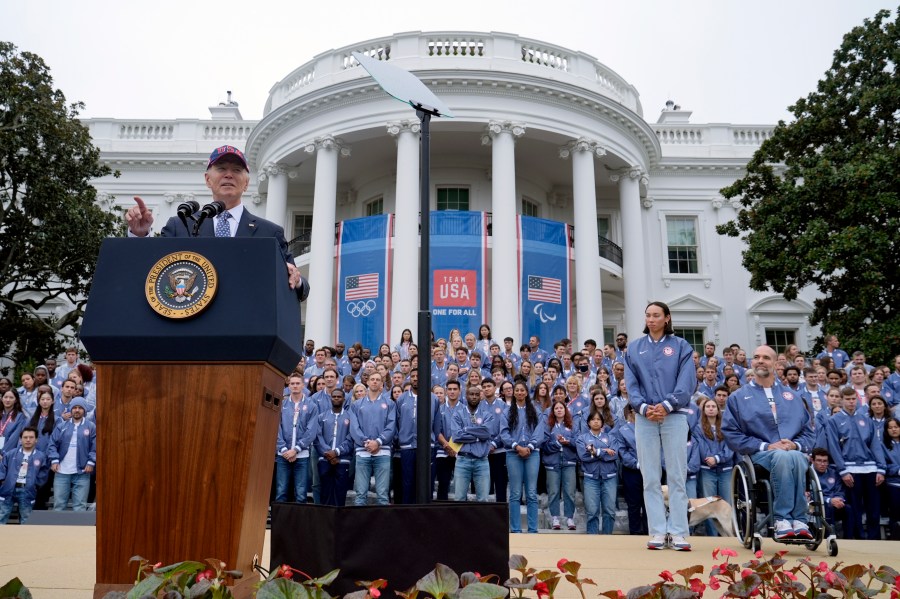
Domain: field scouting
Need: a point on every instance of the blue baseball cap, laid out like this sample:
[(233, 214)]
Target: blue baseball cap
[(223, 151)]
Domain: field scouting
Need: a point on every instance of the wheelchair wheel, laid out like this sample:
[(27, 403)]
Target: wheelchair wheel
[(817, 520), (832, 547), (743, 514)]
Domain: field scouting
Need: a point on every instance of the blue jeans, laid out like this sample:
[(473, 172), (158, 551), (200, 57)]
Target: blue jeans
[(523, 471), (600, 496), (715, 484), (562, 478), (655, 439), (378, 466), (76, 485), (298, 470), (471, 470), (25, 504), (787, 475)]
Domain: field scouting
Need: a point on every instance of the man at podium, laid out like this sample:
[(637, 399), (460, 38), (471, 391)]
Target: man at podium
[(227, 176)]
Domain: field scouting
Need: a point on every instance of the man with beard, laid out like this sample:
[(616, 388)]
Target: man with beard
[(770, 423)]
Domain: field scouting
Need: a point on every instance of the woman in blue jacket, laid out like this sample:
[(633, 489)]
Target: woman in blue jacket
[(598, 454), (660, 375), (891, 442), (522, 433), (559, 459), (716, 458), (12, 420), (632, 482)]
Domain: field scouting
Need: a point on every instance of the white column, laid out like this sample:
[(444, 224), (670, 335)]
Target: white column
[(633, 255), (405, 297), (276, 195), (589, 319), (320, 310), (504, 316)]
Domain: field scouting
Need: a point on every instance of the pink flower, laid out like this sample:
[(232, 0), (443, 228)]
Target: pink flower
[(759, 554), (156, 565), (746, 572), (697, 585), (832, 579), (714, 583), (823, 567), (715, 553), (477, 575), (561, 564), (542, 590), (788, 574), (205, 575), (729, 552), (620, 594), (667, 576), (286, 572), (374, 592)]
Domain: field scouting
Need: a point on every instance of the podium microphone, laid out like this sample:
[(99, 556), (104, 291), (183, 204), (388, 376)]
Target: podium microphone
[(186, 211), (211, 210)]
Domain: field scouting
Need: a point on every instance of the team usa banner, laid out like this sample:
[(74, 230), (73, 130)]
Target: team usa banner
[(363, 270), (544, 279), (458, 255)]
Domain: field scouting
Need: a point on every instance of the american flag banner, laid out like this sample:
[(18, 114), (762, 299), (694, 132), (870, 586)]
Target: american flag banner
[(358, 287), (544, 263), (362, 280), (544, 289)]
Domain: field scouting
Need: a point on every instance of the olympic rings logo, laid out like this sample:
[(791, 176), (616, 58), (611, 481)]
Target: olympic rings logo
[(361, 308)]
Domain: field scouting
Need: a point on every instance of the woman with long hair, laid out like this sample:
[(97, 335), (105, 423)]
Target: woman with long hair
[(599, 403), (878, 411), (716, 458), (619, 399), (597, 451), (28, 394), (406, 339), (12, 419), (891, 440), (522, 433), (541, 397), (660, 375), (527, 371), (44, 421), (559, 459), (603, 379)]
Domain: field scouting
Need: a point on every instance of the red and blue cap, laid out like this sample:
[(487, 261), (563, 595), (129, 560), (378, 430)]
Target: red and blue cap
[(223, 151)]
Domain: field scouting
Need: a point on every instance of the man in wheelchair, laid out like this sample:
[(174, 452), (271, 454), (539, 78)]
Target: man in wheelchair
[(770, 423)]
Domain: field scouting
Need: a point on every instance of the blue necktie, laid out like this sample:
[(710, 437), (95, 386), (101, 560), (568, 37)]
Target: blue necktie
[(222, 227)]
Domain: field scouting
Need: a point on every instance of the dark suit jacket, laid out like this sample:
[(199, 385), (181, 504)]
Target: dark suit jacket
[(250, 226)]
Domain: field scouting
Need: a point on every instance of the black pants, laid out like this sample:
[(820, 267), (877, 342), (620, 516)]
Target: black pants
[(633, 492), (334, 481), (444, 472), (499, 476), (864, 497)]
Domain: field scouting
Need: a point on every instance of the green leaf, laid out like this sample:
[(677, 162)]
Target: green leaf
[(15, 588), (361, 594), (282, 588), (148, 586), (179, 567), (483, 590), (517, 562), (327, 579), (199, 589), (439, 582), (410, 593)]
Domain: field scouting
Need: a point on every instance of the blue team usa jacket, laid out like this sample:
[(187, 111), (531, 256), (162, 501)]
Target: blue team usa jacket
[(660, 372)]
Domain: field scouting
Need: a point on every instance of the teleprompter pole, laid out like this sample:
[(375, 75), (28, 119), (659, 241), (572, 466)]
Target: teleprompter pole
[(423, 406)]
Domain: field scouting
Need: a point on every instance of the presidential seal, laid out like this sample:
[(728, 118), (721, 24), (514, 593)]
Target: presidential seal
[(181, 285)]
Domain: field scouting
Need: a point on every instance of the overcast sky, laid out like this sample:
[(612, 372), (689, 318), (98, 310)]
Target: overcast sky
[(741, 62)]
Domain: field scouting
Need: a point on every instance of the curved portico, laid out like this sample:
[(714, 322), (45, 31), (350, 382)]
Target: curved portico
[(513, 123)]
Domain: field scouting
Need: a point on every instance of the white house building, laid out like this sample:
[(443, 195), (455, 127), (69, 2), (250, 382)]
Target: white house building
[(539, 130)]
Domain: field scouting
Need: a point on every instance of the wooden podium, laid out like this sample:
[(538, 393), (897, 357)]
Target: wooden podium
[(188, 407)]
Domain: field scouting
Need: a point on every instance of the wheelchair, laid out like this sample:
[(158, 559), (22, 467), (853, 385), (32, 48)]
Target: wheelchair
[(752, 515)]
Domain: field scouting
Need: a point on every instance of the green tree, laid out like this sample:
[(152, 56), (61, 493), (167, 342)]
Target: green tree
[(820, 197), (50, 225)]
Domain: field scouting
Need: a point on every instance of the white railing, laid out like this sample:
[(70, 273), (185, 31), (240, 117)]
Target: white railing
[(720, 135), (680, 135), (459, 51), (753, 136), (226, 132), (146, 131)]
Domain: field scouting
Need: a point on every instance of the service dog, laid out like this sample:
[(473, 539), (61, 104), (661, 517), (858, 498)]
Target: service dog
[(712, 508)]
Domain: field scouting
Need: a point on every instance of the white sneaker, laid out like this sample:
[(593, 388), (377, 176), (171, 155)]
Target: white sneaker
[(555, 523), (679, 543), (657, 542), (784, 530), (801, 530), (570, 523)]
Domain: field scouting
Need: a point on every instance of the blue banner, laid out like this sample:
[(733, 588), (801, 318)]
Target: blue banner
[(362, 280), (458, 254), (544, 280)]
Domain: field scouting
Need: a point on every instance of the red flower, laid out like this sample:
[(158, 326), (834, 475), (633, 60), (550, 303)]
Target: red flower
[(823, 567), (729, 552), (759, 554), (832, 579), (205, 575), (746, 572), (667, 576), (477, 575), (542, 590), (374, 592), (561, 564), (697, 586), (716, 553), (713, 583), (156, 565), (620, 594)]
